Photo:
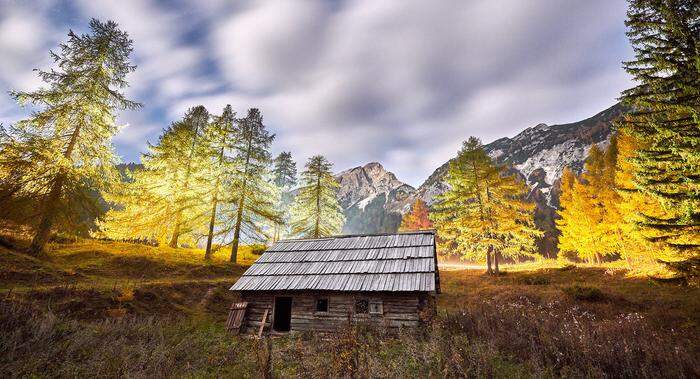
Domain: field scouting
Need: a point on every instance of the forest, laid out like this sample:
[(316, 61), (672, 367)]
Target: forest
[(146, 251), (210, 180)]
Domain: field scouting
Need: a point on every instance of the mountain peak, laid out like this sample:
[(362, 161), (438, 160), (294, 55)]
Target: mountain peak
[(363, 181), (373, 166)]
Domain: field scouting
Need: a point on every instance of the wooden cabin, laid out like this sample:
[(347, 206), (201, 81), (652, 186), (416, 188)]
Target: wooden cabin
[(325, 284)]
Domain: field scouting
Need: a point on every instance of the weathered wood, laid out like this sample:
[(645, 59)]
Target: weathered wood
[(399, 310), (262, 324), (236, 316)]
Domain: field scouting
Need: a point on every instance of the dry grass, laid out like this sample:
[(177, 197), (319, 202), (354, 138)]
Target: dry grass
[(104, 263), (665, 305), (116, 309)]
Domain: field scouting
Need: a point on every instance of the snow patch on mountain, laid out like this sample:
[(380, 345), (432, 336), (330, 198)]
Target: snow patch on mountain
[(554, 159), (363, 203)]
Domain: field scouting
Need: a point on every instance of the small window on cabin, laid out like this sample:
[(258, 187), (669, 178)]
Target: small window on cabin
[(322, 305), (361, 306), (376, 307)]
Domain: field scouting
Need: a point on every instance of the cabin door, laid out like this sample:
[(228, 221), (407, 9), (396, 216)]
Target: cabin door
[(282, 321)]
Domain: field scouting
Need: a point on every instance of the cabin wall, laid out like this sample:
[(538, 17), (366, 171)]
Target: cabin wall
[(399, 310)]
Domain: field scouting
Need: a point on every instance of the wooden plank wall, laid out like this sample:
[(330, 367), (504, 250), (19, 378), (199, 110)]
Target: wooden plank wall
[(399, 310)]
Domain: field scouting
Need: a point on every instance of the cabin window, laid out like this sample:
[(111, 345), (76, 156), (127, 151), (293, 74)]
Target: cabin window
[(376, 307), (322, 305), (361, 306)]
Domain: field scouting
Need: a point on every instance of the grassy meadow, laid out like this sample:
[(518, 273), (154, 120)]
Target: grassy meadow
[(120, 309)]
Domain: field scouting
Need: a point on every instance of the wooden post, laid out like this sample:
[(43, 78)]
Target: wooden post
[(262, 324)]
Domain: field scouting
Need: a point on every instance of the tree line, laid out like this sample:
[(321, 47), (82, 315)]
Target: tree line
[(209, 178), (640, 199), (637, 200)]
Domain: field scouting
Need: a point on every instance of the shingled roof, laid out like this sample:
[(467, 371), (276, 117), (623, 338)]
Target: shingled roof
[(387, 262)]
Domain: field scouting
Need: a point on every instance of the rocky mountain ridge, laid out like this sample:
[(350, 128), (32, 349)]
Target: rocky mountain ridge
[(374, 199)]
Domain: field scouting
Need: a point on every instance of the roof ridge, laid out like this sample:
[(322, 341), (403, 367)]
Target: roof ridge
[(347, 248), (343, 260), (425, 231), (348, 273)]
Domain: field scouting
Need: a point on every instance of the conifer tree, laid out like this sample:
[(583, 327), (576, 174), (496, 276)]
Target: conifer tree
[(633, 246), (64, 149), (589, 222), (167, 199), (285, 170), (665, 118), (484, 209), (188, 143), (316, 212), (221, 137), (252, 194), (417, 218), (285, 178)]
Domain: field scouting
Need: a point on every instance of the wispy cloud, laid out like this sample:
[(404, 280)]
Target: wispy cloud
[(400, 82)]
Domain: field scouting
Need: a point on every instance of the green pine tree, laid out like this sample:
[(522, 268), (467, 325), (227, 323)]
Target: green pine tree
[(285, 170), (316, 212), (665, 117), (64, 151), (285, 178)]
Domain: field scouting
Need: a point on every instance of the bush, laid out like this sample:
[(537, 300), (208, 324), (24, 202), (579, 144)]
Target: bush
[(520, 338), (584, 293), (536, 280)]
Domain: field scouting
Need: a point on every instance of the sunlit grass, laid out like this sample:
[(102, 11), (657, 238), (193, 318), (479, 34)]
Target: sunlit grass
[(101, 264)]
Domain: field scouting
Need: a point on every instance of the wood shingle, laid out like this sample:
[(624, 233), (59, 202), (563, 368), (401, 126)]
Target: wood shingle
[(403, 262)]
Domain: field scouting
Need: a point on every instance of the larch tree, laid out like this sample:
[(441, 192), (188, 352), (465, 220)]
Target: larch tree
[(484, 210), (575, 220), (285, 178), (188, 141), (665, 119), (316, 211), (417, 218), (588, 216), (250, 191), (167, 199), (285, 170), (634, 246), (64, 149), (221, 137)]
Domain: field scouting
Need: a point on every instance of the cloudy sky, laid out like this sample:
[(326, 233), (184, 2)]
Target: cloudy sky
[(400, 82)]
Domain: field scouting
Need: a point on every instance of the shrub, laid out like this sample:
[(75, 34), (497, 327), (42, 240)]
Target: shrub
[(519, 338), (125, 294), (584, 293), (536, 280)]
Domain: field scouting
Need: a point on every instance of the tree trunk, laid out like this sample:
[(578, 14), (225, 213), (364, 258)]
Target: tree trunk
[(317, 231), (212, 220), (496, 255), (176, 231), (237, 229), (239, 212), (43, 231), (488, 261)]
